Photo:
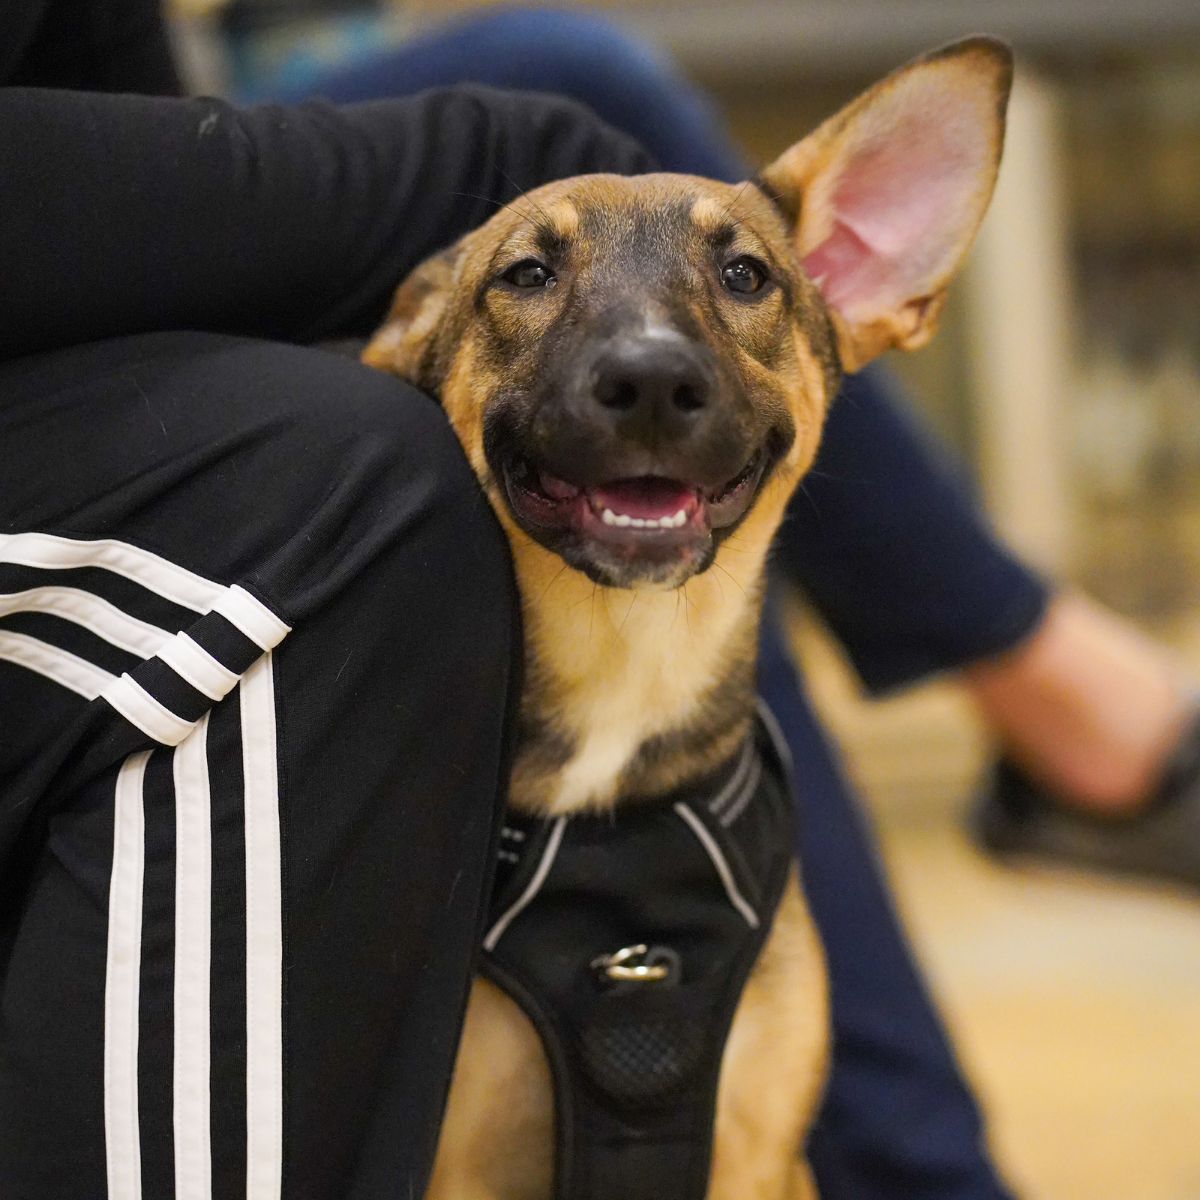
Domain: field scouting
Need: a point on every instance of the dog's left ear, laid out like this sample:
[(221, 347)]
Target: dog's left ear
[(888, 194), (406, 343)]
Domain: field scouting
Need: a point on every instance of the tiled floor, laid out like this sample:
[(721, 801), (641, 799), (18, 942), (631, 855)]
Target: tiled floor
[(1075, 1001)]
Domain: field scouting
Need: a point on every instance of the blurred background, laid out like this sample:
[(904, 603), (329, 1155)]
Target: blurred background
[(1066, 377)]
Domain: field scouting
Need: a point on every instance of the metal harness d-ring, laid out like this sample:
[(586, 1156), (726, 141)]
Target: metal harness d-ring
[(637, 964)]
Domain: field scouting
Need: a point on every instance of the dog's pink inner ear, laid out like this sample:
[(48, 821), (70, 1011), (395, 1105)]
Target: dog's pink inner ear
[(901, 206), (888, 193)]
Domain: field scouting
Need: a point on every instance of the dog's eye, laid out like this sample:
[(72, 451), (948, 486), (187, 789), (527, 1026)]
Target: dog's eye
[(744, 275), (529, 273)]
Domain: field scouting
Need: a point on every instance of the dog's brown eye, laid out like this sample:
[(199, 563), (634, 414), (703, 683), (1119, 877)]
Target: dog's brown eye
[(743, 276), (529, 273)]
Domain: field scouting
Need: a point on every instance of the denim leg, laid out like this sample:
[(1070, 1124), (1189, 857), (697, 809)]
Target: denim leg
[(575, 54), (886, 540), (898, 1119)]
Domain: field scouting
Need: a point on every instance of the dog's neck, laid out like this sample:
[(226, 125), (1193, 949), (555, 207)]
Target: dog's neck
[(631, 692)]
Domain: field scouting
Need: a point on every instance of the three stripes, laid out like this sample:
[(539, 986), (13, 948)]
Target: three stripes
[(188, 677)]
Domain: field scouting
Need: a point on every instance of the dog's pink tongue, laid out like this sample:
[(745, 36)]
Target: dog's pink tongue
[(649, 498)]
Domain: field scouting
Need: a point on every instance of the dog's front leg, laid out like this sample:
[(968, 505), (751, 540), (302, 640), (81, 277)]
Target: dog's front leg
[(497, 1139), (774, 1065)]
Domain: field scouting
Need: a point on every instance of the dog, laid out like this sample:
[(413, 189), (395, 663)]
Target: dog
[(638, 370)]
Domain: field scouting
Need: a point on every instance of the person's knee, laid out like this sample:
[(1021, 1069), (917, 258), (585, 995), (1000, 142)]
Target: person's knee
[(309, 467), (320, 406), (318, 421), (375, 466)]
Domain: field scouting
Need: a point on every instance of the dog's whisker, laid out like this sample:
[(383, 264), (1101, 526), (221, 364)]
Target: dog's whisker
[(486, 199), (720, 586), (552, 582), (802, 488), (500, 205), (525, 215), (588, 599), (687, 607), (627, 612), (533, 203), (522, 196), (726, 571), (729, 206), (604, 602)]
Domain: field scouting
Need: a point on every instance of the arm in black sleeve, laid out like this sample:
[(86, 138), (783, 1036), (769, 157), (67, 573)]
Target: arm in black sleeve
[(126, 214)]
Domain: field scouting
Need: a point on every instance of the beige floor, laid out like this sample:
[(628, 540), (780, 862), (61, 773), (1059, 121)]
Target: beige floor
[(1074, 1001)]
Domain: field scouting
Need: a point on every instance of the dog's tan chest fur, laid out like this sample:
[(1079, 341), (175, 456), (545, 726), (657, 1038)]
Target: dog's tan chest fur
[(616, 670)]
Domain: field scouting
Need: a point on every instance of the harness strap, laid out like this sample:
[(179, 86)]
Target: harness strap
[(627, 940)]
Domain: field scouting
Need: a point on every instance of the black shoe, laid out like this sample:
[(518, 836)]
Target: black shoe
[(1018, 818)]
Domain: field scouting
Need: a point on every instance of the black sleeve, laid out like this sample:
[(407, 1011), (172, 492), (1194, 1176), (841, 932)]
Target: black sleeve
[(126, 214)]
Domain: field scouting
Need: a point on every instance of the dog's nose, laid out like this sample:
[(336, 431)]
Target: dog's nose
[(653, 384)]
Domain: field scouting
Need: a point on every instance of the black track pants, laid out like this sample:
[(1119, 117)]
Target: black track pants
[(257, 635)]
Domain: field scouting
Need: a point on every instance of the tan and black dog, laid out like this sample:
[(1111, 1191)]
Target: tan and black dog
[(638, 369)]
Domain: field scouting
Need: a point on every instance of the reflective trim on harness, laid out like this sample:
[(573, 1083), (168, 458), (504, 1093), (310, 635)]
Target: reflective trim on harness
[(526, 897), (718, 860)]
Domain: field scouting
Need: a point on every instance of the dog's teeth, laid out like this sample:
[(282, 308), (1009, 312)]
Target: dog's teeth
[(625, 521)]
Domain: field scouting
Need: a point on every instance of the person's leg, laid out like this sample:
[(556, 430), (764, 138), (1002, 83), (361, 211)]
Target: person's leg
[(898, 1118), (885, 539), (572, 53), (237, 933)]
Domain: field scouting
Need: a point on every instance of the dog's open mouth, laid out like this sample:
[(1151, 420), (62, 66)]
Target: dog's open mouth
[(647, 516)]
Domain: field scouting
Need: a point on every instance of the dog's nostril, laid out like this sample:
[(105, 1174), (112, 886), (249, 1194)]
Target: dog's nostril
[(687, 398), (620, 394)]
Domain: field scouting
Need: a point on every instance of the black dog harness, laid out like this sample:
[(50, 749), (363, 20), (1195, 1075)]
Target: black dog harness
[(627, 940)]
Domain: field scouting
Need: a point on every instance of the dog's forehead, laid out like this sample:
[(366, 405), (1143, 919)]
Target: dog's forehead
[(656, 211)]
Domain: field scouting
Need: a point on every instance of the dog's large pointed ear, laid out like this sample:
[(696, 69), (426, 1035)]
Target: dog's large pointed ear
[(405, 344), (887, 195)]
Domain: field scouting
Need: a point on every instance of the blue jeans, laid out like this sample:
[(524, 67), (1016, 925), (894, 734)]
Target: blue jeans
[(884, 538)]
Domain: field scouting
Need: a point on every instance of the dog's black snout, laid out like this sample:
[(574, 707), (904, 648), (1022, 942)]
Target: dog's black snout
[(653, 378), (642, 402)]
